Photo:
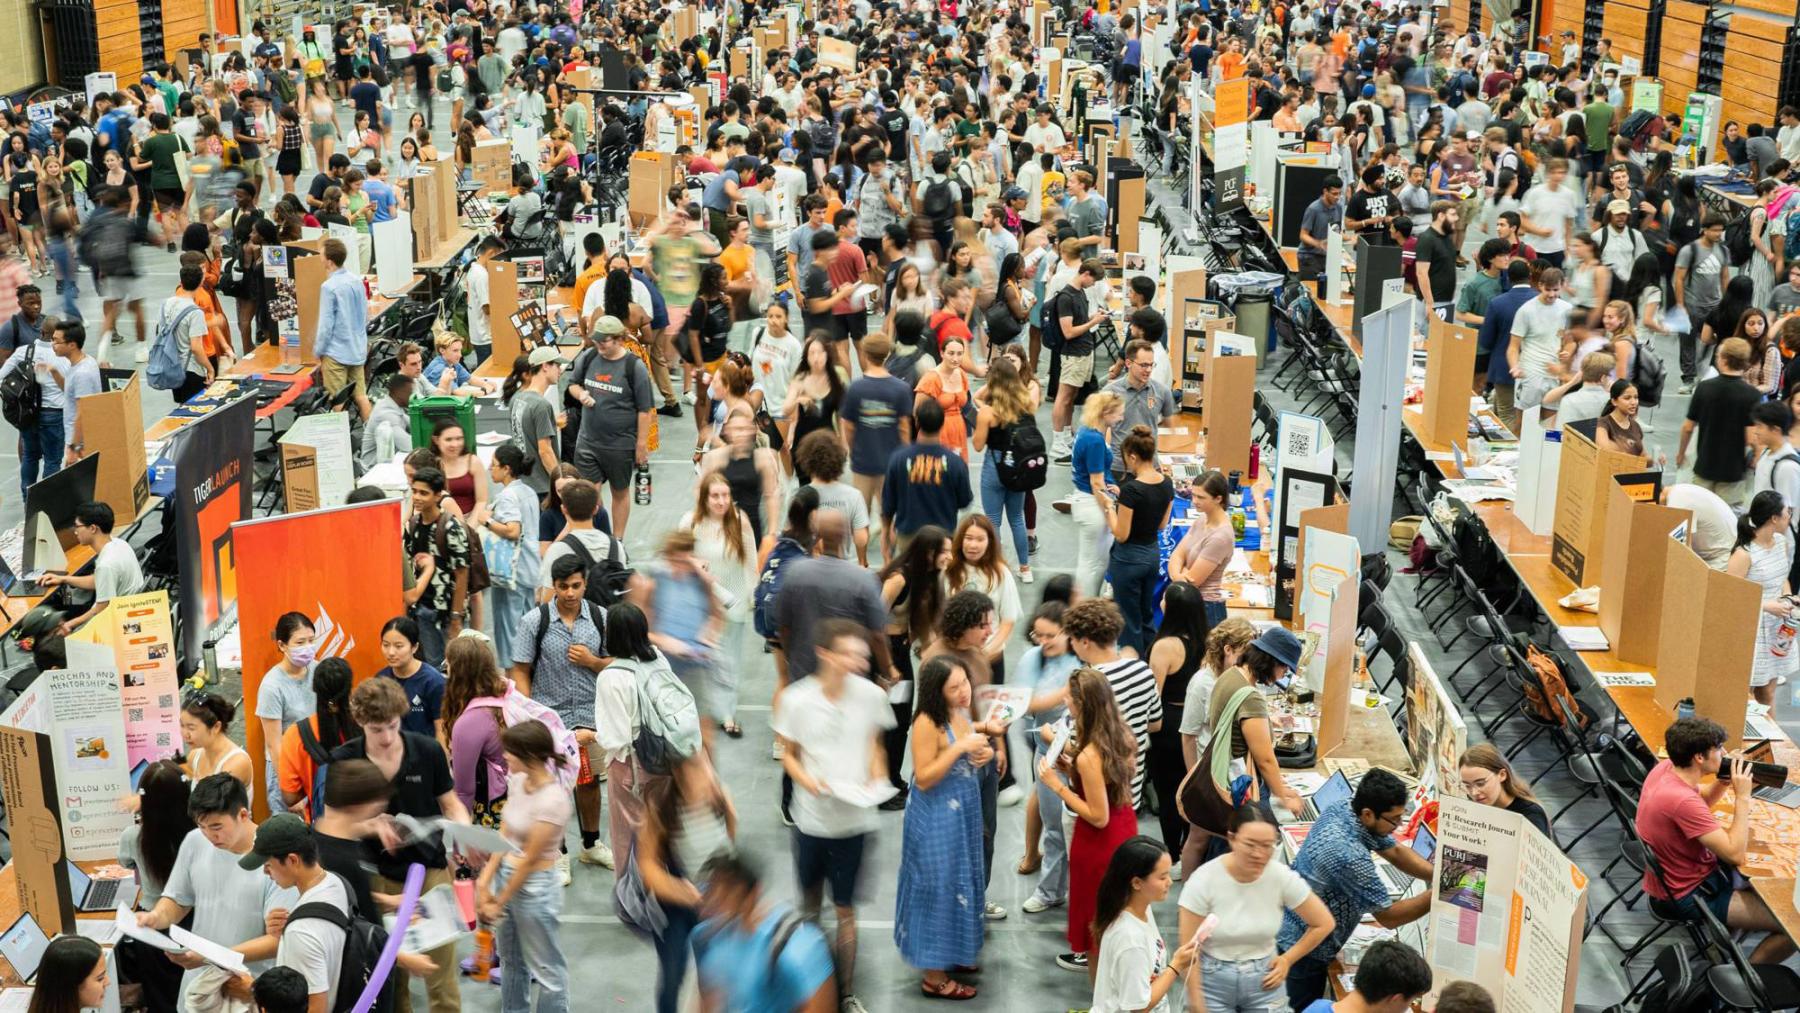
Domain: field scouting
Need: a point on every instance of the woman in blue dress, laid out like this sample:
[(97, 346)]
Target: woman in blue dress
[(938, 912)]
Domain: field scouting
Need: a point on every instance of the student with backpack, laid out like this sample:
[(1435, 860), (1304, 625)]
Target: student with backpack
[(520, 890), (557, 653), (940, 200), (306, 745), (420, 773), (757, 957), (315, 939), (638, 701), (178, 362), (1016, 460)]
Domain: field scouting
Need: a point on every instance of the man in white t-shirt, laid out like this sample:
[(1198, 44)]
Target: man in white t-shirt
[(1537, 333), (830, 726), (1714, 531), (481, 329), (312, 940), (116, 572), (189, 330), (1044, 137), (1548, 213)]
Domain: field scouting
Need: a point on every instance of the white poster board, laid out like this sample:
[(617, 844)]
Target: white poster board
[(1332, 563), (332, 462), (1540, 462), (87, 741), (103, 82), (1304, 442), (393, 241)]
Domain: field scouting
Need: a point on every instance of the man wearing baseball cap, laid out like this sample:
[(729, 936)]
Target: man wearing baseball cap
[(312, 941), (617, 399), (1619, 244), (534, 417)]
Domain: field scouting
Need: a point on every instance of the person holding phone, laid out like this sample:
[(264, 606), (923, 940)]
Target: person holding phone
[(1697, 858)]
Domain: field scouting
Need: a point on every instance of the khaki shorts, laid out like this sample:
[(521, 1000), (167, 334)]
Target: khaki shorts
[(336, 376), (1076, 369)]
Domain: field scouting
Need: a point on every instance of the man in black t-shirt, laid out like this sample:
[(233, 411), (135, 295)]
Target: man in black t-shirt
[(322, 181), (365, 95), (1435, 261), (1371, 208), (818, 299), (1720, 409), (893, 122)]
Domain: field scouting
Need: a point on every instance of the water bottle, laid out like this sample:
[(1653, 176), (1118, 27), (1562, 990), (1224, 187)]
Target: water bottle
[(641, 495), (1684, 708), (1784, 637), (484, 951)]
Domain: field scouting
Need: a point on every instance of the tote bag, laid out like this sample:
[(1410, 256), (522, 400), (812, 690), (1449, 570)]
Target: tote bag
[(1202, 796)]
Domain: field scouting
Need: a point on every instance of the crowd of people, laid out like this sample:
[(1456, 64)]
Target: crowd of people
[(877, 284)]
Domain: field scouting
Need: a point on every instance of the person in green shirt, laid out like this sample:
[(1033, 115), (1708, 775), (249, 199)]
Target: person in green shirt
[(1598, 119), (576, 120), (165, 85), (1488, 281), (158, 153)]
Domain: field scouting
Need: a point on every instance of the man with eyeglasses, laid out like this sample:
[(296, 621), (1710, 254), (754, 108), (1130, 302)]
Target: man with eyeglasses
[(1148, 402), (1337, 862), (115, 572)]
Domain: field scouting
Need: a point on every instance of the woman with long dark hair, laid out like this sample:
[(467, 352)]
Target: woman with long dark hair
[(1137, 517), (477, 763), (703, 343), (912, 587), (148, 847), (71, 977), (938, 908), (813, 398), (1098, 766), (1763, 554), (1175, 655), (307, 745), (688, 820), (1129, 972), (1007, 400), (205, 721), (522, 890)]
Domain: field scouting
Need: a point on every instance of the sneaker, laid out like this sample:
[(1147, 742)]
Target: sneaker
[(993, 912), (687, 397), (1064, 505), (1038, 905), (1646, 426), (563, 870), (1687, 387), (670, 409), (852, 1004), (1025, 576), (776, 752), (1010, 796), (1175, 871), (1031, 540), (143, 352), (1062, 454), (1072, 961), (600, 854)]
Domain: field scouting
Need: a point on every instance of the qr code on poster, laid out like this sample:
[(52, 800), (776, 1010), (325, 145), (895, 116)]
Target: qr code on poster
[(164, 739), (134, 714), (1299, 443), (166, 701)]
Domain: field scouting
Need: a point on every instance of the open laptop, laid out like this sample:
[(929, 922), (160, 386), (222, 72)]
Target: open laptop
[(23, 945), (137, 773), (97, 894), (17, 586), (1424, 844), (1335, 789)]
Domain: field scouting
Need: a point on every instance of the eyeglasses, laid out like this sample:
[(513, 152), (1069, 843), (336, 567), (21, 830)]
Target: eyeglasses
[(1478, 785)]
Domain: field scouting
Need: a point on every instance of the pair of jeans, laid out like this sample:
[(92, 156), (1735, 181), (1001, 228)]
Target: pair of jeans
[(1306, 982), (41, 448), (508, 605), (68, 276), (672, 956), (1235, 986), (1216, 612), (1053, 883), (1093, 544), (272, 782), (432, 638), (996, 500), (1134, 571), (990, 816), (530, 940)]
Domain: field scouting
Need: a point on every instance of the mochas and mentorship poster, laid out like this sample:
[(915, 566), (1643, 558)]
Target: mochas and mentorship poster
[(348, 594), (213, 459)]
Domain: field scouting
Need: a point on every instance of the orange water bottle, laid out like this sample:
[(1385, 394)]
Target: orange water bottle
[(484, 951)]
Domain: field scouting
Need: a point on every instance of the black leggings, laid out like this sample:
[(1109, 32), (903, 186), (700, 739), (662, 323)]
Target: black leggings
[(894, 740), (1167, 768)]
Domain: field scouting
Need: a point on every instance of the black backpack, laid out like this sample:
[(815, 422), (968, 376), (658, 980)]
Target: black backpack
[(1021, 458), (1738, 247), (364, 941), (21, 401), (606, 578), (1647, 373), (939, 204)]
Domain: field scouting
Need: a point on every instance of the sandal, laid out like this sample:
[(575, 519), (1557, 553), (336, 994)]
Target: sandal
[(1029, 865), (949, 988), (732, 729)]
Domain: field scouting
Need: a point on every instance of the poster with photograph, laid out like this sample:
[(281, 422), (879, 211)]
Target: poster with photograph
[(87, 743), (1436, 734), (140, 633), (1507, 909)]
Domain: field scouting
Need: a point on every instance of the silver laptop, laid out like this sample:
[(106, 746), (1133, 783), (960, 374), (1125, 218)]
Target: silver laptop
[(1335, 789), (1424, 844), (98, 894), (23, 945)]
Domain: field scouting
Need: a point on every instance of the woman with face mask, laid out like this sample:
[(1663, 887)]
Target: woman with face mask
[(285, 695)]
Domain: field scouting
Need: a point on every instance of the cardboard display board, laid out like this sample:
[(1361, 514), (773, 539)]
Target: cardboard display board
[(1436, 733), (318, 465), (1583, 495), (1328, 606), (650, 176), (1228, 394), (28, 779), (839, 54), (309, 274), (491, 165), (1449, 363), (1632, 573), (1507, 910), (139, 631), (503, 302), (1712, 633), (113, 427)]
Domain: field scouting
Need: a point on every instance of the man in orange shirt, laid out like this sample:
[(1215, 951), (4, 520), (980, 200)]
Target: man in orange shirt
[(593, 271), (1232, 61)]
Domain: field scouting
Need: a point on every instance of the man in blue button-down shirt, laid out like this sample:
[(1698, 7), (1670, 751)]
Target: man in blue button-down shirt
[(342, 340)]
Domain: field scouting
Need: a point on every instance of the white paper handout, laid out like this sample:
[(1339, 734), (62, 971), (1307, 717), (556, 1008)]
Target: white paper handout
[(1059, 742), (467, 837), (126, 919), (437, 920), (1584, 638), (100, 930), (862, 794), (211, 952), (1004, 703), (15, 1000)]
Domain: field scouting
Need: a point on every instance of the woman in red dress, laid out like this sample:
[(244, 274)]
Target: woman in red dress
[(1098, 792)]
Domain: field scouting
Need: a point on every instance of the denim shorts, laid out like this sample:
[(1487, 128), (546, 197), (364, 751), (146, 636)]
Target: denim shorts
[(1714, 891), (834, 859), (1235, 986)]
